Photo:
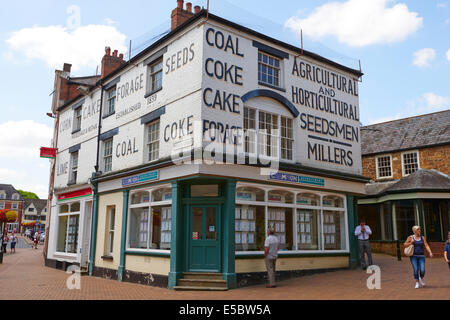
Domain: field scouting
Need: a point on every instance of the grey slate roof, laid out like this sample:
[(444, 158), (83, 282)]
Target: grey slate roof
[(421, 180), (39, 204), (409, 133), (10, 190)]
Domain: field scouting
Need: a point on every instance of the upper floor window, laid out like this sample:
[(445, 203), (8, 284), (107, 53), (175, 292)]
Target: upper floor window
[(15, 196), (2, 196), (77, 119), (110, 101), (153, 140), (268, 138), (155, 74), (269, 69), (2, 205), (384, 167), (107, 154), (30, 209), (410, 162), (15, 206), (73, 168)]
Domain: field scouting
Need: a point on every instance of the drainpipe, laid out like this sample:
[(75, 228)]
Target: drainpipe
[(95, 190), (123, 244)]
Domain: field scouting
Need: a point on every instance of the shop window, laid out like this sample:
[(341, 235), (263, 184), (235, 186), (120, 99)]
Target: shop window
[(141, 197), (333, 202), (69, 216), (280, 196), (205, 190), (334, 230), (250, 194), (249, 228), (139, 227), (370, 214), (405, 218), (281, 220), (308, 199), (249, 130), (163, 194), (308, 235)]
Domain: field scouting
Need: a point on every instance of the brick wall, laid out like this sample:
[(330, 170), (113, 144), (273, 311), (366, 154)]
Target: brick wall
[(430, 158)]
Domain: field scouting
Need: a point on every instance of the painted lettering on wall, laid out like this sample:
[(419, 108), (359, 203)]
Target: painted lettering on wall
[(179, 129), (84, 131), (91, 109), (130, 87), (224, 133), (180, 59), (61, 169), (126, 148), (127, 111), (65, 125), (220, 41)]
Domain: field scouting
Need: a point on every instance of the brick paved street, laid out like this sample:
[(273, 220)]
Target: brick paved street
[(24, 276)]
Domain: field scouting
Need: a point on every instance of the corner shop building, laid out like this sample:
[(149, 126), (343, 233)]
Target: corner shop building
[(153, 221)]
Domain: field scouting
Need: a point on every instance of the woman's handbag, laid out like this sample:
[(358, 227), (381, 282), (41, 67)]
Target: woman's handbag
[(409, 250)]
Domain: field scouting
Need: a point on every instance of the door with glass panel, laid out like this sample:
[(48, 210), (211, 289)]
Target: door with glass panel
[(204, 238)]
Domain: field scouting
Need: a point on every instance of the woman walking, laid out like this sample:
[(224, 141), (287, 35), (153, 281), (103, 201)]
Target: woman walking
[(418, 258), (5, 242), (13, 243)]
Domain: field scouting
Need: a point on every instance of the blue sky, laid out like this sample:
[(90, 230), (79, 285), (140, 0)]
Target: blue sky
[(403, 46)]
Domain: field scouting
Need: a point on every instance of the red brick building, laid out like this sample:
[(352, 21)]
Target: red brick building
[(408, 161), (10, 199)]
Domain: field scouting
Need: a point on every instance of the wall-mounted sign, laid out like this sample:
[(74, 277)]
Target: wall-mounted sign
[(297, 179), (49, 153), (275, 198), (145, 177), (75, 194), (244, 195)]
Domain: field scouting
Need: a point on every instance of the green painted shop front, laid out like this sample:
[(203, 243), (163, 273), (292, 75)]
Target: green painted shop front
[(202, 222)]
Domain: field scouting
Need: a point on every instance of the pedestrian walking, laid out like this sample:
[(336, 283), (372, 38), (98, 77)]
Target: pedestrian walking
[(271, 247), (447, 250), (5, 242), (36, 239), (13, 243), (418, 257), (363, 233)]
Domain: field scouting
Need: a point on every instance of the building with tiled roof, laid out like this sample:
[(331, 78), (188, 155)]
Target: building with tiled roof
[(408, 162), (35, 210), (10, 199)]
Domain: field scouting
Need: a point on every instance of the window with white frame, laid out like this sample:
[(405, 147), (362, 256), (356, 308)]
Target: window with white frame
[(150, 219), (154, 76), (2, 196), (15, 196), (2, 205), (110, 101), (287, 138), (153, 140), (250, 130), (269, 71), (77, 119), (107, 154), (68, 225), (384, 166), (110, 224), (302, 220), (73, 168), (410, 162), (15, 206), (268, 134)]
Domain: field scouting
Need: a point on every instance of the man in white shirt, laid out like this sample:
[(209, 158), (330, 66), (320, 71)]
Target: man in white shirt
[(271, 247), (363, 232)]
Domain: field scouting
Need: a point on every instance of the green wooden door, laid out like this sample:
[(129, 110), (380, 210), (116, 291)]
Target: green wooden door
[(204, 238)]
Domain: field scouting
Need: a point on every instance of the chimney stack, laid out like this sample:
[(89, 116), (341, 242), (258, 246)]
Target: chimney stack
[(111, 62), (196, 9), (179, 15), (67, 67)]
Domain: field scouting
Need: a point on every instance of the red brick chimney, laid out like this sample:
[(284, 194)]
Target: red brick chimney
[(179, 15), (66, 91), (111, 62)]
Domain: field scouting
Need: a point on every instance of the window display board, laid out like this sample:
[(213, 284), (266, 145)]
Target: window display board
[(245, 228), (329, 230), (305, 220), (277, 220)]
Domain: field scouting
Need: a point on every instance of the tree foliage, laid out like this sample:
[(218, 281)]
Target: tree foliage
[(28, 194)]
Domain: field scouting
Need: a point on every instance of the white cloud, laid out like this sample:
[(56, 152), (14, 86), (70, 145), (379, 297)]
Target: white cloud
[(423, 57), (448, 54), (433, 101), (21, 140), (40, 189), (82, 47), (441, 5), (359, 22), (7, 174)]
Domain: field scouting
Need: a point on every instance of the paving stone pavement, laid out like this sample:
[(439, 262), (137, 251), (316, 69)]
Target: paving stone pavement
[(24, 276)]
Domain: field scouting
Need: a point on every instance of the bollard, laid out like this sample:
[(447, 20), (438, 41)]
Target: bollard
[(399, 255), (1, 256)]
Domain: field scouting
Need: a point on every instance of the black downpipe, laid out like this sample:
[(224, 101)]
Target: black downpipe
[(99, 128)]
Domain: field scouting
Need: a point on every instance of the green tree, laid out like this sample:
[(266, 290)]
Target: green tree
[(28, 194)]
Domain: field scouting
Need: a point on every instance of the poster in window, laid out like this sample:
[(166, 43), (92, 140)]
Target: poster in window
[(251, 238), (331, 239), (302, 217), (251, 214), (333, 229), (244, 214), (244, 238), (238, 213), (282, 227), (237, 237), (302, 227), (283, 238), (307, 217), (308, 228), (331, 219)]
